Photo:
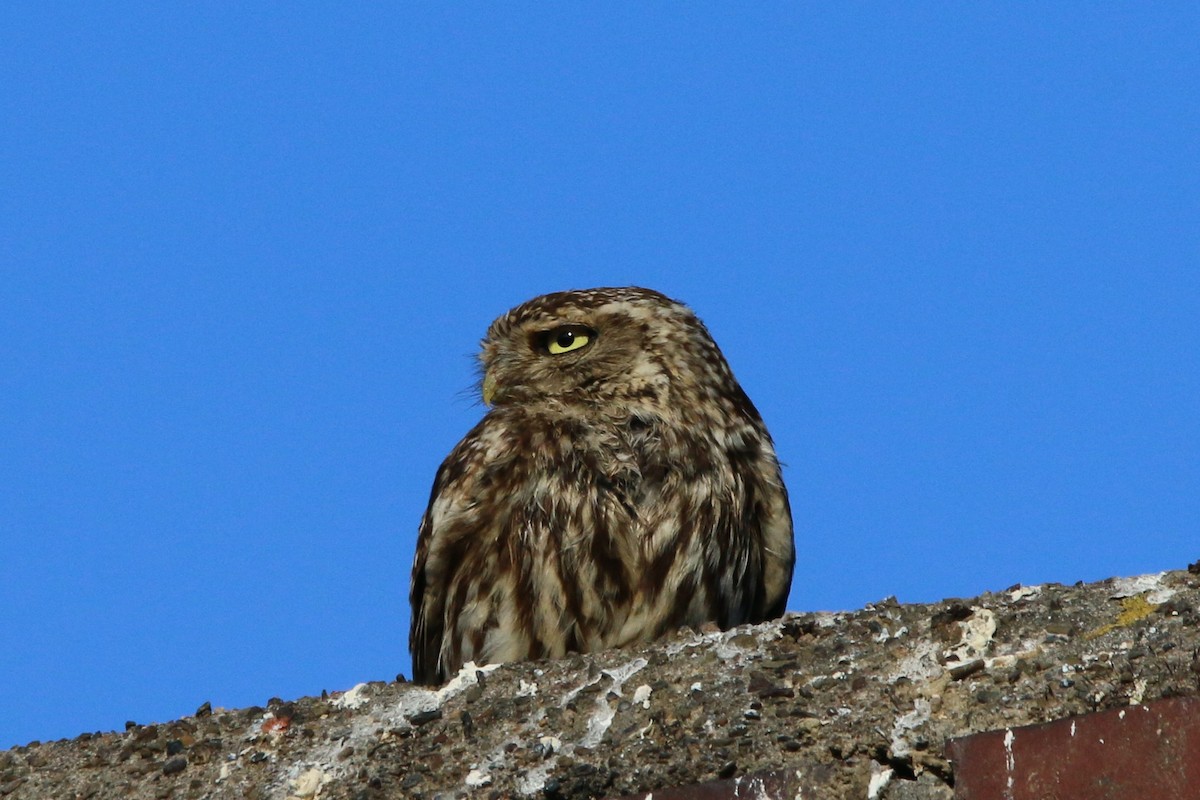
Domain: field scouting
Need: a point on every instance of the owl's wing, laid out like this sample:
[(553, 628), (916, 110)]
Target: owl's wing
[(425, 630), (779, 549), (449, 538), (764, 524), (433, 566)]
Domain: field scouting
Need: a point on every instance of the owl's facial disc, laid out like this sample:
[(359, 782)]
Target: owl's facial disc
[(549, 343)]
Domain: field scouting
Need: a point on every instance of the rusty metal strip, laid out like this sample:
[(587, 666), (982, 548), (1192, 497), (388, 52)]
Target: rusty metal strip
[(1134, 753)]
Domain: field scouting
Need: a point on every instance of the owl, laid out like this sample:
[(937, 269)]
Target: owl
[(620, 486)]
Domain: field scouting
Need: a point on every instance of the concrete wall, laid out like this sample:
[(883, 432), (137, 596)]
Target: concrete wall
[(833, 705)]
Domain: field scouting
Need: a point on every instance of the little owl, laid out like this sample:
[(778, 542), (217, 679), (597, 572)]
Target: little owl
[(620, 486)]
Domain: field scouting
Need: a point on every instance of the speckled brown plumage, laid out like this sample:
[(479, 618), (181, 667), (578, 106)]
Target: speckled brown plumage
[(621, 485)]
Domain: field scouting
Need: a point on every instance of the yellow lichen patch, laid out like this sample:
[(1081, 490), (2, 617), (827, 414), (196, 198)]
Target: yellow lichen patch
[(1133, 609)]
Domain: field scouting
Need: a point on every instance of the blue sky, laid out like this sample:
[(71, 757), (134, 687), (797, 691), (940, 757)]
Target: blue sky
[(951, 251)]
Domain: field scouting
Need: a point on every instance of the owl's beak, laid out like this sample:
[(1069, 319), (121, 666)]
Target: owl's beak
[(489, 388)]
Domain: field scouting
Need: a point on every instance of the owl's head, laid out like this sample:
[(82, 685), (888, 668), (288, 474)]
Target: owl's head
[(607, 348)]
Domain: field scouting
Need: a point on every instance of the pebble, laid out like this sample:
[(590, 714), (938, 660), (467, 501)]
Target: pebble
[(175, 765), (424, 717)]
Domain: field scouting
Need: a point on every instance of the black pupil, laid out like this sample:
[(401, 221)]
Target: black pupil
[(565, 338)]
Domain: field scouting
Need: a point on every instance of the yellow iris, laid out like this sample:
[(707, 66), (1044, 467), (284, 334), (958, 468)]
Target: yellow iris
[(566, 340)]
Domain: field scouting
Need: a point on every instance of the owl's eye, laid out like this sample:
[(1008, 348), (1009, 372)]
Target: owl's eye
[(567, 338)]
